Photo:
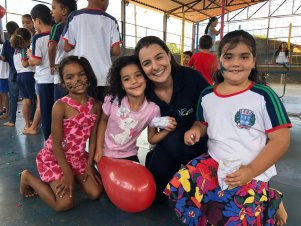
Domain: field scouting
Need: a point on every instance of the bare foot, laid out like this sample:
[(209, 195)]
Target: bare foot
[(25, 189), (26, 127), (9, 124), (30, 131), (281, 215)]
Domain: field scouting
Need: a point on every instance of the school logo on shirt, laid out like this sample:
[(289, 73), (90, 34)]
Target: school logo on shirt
[(185, 111), (245, 118)]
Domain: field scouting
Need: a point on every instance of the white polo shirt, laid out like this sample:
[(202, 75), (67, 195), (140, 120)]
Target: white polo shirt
[(93, 33), (238, 124), (40, 51)]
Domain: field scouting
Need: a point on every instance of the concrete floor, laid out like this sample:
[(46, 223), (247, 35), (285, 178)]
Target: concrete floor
[(18, 152)]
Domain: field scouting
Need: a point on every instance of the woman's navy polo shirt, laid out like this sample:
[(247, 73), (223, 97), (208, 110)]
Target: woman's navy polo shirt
[(188, 84)]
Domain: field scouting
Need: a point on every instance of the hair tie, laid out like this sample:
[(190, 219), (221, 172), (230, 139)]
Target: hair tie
[(20, 36)]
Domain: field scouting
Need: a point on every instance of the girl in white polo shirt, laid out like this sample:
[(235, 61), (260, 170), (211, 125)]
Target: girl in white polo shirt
[(248, 130)]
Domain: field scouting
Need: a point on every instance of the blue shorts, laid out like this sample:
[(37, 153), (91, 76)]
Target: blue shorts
[(26, 85), (4, 85)]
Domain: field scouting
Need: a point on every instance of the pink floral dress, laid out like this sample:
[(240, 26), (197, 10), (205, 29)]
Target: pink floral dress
[(76, 131)]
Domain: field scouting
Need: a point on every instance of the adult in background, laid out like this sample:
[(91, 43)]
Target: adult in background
[(212, 32), (282, 54), (175, 89)]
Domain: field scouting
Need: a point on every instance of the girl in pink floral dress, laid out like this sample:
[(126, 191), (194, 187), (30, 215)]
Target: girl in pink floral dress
[(63, 159)]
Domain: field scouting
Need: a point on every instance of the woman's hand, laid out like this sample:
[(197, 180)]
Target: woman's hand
[(240, 177), (172, 124), (66, 185), (192, 136), (92, 174)]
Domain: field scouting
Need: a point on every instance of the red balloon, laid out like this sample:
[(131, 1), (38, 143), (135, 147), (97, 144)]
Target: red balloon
[(2, 11), (129, 185)]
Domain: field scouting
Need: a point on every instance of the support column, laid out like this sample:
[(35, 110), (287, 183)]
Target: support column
[(197, 37), (124, 3), (165, 17), (222, 19), (193, 38), (183, 38)]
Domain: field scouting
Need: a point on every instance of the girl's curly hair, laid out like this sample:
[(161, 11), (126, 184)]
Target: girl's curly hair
[(114, 82)]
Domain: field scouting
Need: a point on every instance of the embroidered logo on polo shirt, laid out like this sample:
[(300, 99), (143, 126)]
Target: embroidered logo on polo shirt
[(244, 118), (185, 111)]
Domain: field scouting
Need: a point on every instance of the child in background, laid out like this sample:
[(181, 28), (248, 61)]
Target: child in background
[(204, 61), (93, 33), (126, 112), (7, 55), (212, 32), (35, 114), (247, 125), (4, 72), (60, 11), (64, 158), (25, 79), (28, 24), (187, 56), (39, 57)]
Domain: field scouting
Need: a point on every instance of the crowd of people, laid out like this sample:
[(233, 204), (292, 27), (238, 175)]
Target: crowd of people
[(217, 130)]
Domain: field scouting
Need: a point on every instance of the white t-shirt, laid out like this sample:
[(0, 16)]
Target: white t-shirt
[(281, 58), (238, 124), (18, 63), (4, 67), (93, 32), (40, 51)]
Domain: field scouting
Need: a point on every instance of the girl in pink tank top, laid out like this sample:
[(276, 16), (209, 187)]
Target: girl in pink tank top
[(63, 159)]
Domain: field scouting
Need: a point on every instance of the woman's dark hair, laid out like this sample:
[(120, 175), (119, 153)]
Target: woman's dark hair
[(92, 89), (114, 82), (69, 4), (232, 39), (279, 50), (11, 27), (41, 12), (211, 20), (20, 38), (150, 40), (205, 42)]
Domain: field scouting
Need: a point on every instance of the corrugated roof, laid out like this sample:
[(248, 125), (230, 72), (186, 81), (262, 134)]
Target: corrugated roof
[(195, 10)]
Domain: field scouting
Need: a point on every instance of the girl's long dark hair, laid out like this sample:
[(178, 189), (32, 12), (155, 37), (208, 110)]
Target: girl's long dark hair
[(211, 20), (92, 89), (232, 39), (114, 82), (279, 49)]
